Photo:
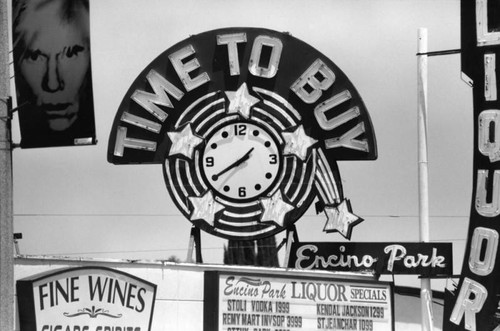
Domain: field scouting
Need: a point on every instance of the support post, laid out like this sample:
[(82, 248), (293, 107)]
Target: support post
[(194, 244), (423, 186), (291, 237), (6, 218)]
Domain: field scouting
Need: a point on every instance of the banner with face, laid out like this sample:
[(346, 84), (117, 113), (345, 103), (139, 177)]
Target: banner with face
[(51, 41)]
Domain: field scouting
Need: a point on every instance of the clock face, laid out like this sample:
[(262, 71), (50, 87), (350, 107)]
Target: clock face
[(242, 167), (241, 161)]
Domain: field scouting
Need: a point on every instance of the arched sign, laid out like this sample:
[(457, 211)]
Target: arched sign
[(248, 124)]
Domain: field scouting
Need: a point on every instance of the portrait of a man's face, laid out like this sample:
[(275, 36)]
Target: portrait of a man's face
[(53, 71)]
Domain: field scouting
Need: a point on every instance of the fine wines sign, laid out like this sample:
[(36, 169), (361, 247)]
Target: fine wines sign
[(84, 299)]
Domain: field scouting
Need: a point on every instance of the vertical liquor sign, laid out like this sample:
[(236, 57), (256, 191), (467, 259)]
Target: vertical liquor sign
[(475, 303)]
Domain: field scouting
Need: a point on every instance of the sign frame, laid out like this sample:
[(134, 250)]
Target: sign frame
[(220, 105), (409, 258), (55, 103), (212, 292), (26, 297)]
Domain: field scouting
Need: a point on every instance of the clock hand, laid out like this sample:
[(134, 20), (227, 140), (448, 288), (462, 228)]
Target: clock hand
[(236, 163)]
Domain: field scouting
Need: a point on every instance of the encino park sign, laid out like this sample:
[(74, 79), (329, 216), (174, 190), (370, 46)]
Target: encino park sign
[(248, 124)]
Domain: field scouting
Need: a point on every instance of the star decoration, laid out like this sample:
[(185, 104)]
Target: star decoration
[(240, 101), (184, 141), (274, 209), (341, 219), (205, 207), (297, 142)]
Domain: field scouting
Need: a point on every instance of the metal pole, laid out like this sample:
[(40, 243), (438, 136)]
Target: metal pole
[(6, 219), (423, 185)]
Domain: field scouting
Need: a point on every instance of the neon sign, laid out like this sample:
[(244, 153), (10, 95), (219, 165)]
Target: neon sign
[(248, 125)]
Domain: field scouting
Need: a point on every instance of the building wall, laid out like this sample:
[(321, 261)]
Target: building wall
[(179, 301)]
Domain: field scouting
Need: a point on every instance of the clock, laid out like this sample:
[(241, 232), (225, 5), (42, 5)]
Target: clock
[(240, 164), (241, 161)]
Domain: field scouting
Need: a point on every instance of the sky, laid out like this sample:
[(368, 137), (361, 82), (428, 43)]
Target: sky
[(70, 201)]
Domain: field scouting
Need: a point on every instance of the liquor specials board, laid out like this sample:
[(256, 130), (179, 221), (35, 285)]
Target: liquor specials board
[(249, 302)]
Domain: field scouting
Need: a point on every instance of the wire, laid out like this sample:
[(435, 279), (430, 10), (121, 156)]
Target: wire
[(177, 249), (133, 251), (96, 215), (150, 250), (437, 53), (161, 214), (415, 216)]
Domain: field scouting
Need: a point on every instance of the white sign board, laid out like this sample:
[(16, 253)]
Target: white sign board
[(84, 299), (261, 303)]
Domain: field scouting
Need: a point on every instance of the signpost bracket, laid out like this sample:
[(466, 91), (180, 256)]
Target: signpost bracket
[(439, 276), (7, 119), (194, 244)]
